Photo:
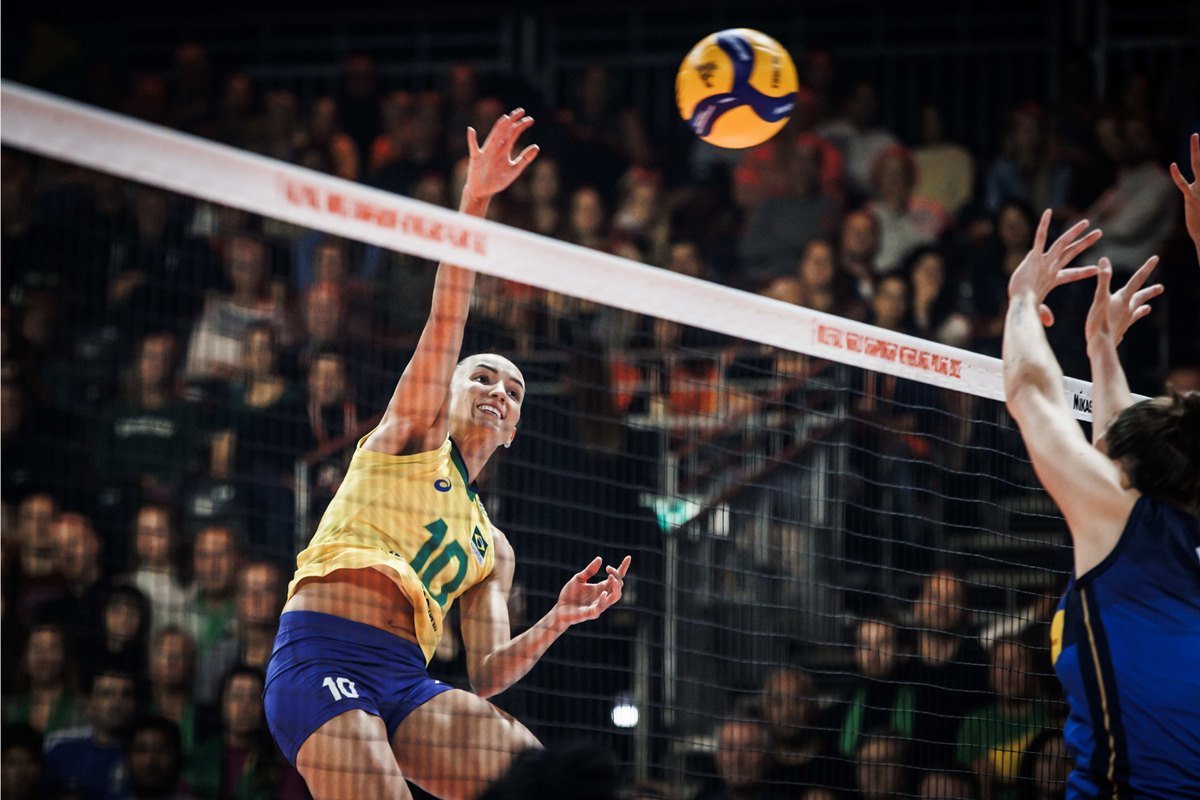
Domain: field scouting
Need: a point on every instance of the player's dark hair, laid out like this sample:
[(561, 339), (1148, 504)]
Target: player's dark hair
[(1158, 444)]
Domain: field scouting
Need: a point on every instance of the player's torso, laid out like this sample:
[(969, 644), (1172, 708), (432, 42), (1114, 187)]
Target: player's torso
[(415, 515), (1126, 646)]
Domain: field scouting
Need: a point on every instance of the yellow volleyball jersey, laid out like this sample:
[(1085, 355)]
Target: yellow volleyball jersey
[(415, 516)]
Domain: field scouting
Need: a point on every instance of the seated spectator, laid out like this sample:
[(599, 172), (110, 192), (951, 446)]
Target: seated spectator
[(1045, 766), (214, 567), (882, 766), (946, 786), (545, 198), (823, 287), (172, 668), (240, 122), (858, 137), (890, 303), (79, 556), (641, 214), (587, 223), (789, 704), (945, 171), (281, 125), (990, 263), (147, 437), (242, 761), (905, 222), (358, 98), (423, 147), (936, 299), (949, 664), (90, 760), (156, 758), (395, 117), (1029, 169), (1137, 213), (992, 738), (20, 763), (743, 744), (215, 346), (332, 412), (46, 699), (120, 641), (324, 146), (880, 696), (859, 250), (779, 229), (38, 580), (261, 591), (155, 570)]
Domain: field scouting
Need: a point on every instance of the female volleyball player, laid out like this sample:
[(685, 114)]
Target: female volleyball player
[(1126, 636), (348, 697)]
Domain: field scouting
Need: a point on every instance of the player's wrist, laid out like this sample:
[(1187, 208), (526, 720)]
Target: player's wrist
[(472, 203)]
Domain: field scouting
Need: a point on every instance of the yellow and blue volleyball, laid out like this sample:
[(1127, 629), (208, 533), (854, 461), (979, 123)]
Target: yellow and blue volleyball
[(736, 88)]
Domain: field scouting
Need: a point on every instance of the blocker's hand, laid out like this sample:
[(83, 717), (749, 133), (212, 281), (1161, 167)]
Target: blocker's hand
[(1042, 269), (1190, 191), (492, 168), (1112, 314), (580, 600)]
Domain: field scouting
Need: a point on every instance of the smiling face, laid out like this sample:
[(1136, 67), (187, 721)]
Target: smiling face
[(486, 394)]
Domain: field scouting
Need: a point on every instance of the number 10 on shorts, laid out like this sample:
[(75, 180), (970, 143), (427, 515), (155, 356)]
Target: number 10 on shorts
[(340, 687)]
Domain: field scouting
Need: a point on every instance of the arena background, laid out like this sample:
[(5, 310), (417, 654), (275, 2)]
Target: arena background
[(774, 506)]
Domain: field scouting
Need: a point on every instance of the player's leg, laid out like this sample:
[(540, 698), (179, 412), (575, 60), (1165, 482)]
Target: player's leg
[(348, 758), (456, 744)]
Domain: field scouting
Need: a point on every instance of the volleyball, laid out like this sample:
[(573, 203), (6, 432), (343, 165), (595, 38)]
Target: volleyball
[(736, 88)]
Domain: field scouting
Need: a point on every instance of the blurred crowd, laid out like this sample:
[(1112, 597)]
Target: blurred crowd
[(174, 373)]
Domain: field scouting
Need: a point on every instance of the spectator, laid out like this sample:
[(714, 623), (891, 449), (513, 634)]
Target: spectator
[(423, 150), (1138, 212), (90, 760), (324, 146), (946, 786), (950, 665), (46, 699), (358, 100), (214, 565), (260, 595), (1029, 170), (281, 125), (241, 123), (20, 763), (332, 412), (945, 171), (780, 228), (155, 565), (936, 298), (587, 224), (1044, 767), (990, 263), (120, 642), (890, 303), (880, 697), (79, 556), (147, 437), (155, 760), (905, 222), (38, 580), (217, 335), (743, 744), (991, 738), (242, 761), (882, 766), (859, 250), (545, 198), (822, 287), (796, 749), (641, 215), (858, 137), (394, 140), (172, 670), (193, 91)]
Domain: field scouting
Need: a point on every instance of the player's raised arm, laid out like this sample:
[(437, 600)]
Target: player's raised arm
[(1191, 193), (416, 419), (1084, 483), (1107, 320)]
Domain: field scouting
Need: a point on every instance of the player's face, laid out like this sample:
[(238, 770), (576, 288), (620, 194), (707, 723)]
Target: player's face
[(486, 394)]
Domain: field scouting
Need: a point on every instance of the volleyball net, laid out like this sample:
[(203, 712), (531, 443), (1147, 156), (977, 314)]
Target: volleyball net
[(843, 566)]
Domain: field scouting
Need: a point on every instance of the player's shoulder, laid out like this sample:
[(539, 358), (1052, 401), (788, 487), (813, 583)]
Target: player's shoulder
[(504, 549)]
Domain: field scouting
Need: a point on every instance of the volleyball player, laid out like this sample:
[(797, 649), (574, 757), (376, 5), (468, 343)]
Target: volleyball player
[(1126, 636), (348, 697)]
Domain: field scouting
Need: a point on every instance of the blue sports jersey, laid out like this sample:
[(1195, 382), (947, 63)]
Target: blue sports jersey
[(1126, 647)]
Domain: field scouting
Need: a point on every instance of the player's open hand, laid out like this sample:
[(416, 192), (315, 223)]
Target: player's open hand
[(1042, 269), (492, 168), (1191, 191), (582, 600), (1112, 314)]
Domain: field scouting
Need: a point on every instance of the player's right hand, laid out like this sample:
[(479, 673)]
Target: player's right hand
[(492, 168), (1042, 269)]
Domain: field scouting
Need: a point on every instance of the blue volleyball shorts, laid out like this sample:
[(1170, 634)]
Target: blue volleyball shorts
[(323, 666)]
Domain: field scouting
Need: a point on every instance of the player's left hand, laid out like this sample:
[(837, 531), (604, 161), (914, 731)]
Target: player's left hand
[(1112, 314), (492, 168), (1190, 191), (1041, 270), (581, 600)]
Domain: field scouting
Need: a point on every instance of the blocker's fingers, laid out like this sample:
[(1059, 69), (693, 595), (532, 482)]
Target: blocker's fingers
[(1139, 313), (1103, 280), (472, 139), (625, 562), (1196, 156), (1043, 229), (1045, 315), (1075, 248), (1180, 181), (587, 572), (1069, 235), (1073, 274), (1142, 274), (527, 156), (1149, 293)]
